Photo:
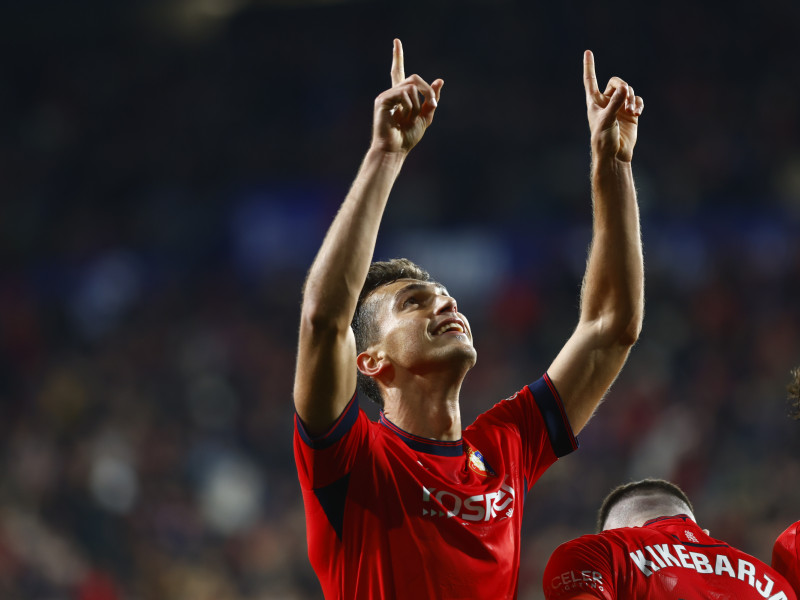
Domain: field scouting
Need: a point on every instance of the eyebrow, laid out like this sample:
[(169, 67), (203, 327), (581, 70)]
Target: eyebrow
[(420, 285)]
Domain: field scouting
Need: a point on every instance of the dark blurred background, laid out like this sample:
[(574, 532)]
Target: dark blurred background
[(169, 168)]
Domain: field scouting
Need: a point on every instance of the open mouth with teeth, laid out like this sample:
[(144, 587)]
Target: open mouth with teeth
[(449, 327)]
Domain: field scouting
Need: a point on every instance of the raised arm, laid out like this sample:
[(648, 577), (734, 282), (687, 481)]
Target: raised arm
[(325, 377), (612, 296)]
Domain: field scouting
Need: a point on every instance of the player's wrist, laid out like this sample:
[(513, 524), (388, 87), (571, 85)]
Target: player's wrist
[(609, 164), (386, 157), (604, 147)]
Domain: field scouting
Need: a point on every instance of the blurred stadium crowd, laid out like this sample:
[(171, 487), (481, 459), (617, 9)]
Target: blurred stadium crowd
[(164, 189)]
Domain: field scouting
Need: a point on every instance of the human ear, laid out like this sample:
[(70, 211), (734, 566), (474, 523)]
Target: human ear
[(371, 365)]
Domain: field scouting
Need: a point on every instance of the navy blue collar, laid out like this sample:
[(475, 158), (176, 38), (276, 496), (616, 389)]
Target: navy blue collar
[(421, 444), (682, 517)]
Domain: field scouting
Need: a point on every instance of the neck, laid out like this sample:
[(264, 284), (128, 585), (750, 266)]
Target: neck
[(425, 408), (639, 519)]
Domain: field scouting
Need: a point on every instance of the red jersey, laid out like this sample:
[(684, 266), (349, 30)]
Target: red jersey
[(786, 556), (392, 515), (669, 558)]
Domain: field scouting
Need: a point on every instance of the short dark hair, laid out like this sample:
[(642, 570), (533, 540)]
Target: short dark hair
[(793, 394), (645, 486), (364, 324)]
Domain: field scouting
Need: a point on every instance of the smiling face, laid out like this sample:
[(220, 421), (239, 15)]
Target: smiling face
[(420, 328)]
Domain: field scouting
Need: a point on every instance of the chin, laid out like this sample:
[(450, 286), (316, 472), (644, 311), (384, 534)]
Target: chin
[(465, 353)]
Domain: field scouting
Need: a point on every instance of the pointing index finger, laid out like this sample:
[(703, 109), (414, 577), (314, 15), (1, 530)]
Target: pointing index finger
[(398, 68), (589, 77)]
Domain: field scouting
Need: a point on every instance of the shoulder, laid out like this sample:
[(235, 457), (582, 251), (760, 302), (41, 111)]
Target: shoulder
[(536, 401), (787, 541), (533, 416), (791, 531), (353, 418), (587, 550), (585, 565)]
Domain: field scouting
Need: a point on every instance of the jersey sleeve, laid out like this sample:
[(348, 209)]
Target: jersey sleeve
[(581, 568), (536, 416), (786, 556), (327, 458)]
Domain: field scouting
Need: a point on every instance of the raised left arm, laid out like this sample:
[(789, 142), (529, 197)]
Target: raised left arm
[(612, 296)]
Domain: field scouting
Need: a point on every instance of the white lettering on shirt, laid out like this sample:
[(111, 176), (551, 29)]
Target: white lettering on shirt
[(701, 562), (655, 556), (724, 566), (645, 566), (663, 550), (681, 552), (571, 580), (481, 507), (747, 569)]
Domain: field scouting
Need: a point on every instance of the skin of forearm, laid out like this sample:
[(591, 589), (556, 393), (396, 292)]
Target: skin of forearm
[(340, 267), (613, 286)]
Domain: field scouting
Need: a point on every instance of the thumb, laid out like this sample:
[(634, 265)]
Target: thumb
[(430, 104), (615, 103), (437, 87)]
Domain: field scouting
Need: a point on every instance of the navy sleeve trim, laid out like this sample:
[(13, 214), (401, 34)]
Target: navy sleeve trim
[(555, 417), (337, 431)]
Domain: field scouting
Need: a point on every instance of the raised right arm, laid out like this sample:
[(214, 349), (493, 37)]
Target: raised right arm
[(325, 377)]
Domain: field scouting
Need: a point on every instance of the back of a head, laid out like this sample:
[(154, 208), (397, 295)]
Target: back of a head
[(632, 504)]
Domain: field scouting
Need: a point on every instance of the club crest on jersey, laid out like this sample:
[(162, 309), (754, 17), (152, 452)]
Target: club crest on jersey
[(478, 465)]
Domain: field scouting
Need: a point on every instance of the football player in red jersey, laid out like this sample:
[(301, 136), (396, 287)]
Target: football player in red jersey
[(786, 552), (650, 547), (415, 506)]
